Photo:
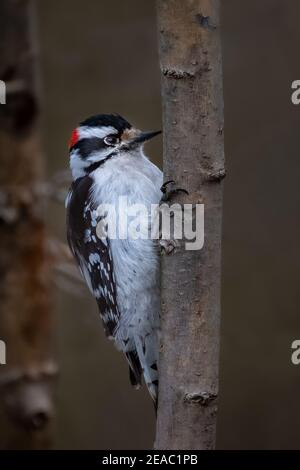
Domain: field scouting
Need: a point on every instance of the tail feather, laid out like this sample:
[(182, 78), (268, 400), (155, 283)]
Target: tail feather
[(143, 361), (147, 349), (135, 369)]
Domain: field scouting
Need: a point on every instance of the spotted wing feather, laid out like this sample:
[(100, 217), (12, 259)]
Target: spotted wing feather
[(93, 256), (92, 253)]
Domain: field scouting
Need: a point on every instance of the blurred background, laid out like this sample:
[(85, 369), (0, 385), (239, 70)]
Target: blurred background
[(102, 57), (97, 58)]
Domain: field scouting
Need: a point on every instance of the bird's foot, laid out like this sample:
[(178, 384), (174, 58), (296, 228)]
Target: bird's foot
[(169, 192), (168, 246)]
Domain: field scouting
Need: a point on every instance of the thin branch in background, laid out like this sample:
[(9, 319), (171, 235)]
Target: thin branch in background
[(66, 275)]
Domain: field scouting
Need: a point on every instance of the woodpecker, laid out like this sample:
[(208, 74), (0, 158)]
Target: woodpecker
[(107, 162)]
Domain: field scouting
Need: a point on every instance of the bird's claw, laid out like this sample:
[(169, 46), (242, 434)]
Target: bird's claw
[(168, 193), (168, 246)]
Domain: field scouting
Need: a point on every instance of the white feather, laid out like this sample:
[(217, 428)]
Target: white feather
[(135, 262), (85, 132)]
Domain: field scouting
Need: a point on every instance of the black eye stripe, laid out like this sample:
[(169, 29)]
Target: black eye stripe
[(86, 146), (111, 139)]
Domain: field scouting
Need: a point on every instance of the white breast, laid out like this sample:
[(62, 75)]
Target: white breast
[(136, 262)]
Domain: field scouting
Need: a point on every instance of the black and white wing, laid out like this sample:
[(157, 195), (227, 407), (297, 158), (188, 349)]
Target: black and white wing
[(93, 256), (92, 253)]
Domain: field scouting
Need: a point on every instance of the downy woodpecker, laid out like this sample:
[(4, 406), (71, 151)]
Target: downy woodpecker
[(107, 162)]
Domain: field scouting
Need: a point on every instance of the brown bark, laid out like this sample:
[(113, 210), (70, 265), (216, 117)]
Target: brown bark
[(190, 55), (25, 318)]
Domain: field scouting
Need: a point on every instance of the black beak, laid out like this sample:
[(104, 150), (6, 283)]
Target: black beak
[(144, 136)]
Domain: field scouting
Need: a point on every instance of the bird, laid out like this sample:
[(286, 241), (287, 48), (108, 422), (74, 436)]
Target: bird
[(108, 162)]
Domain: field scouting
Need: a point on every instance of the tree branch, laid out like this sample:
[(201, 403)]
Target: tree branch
[(190, 55), (26, 381)]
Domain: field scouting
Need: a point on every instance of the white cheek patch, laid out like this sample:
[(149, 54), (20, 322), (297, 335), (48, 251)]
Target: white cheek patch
[(86, 132), (77, 165), (99, 155)]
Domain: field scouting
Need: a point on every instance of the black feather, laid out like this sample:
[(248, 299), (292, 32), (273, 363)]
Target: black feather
[(78, 222), (135, 368), (113, 120)]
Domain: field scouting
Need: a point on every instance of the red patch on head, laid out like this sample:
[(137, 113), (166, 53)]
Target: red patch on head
[(74, 138)]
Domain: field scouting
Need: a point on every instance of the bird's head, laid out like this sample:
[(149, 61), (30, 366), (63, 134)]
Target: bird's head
[(101, 137)]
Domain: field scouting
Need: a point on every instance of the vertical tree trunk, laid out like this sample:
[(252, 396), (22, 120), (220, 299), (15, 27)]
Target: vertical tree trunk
[(190, 54), (25, 323)]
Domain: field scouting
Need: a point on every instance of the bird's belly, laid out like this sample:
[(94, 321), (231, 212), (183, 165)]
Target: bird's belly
[(136, 268), (135, 261)]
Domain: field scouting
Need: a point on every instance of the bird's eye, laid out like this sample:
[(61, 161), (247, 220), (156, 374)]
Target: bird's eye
[(111, 140)]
